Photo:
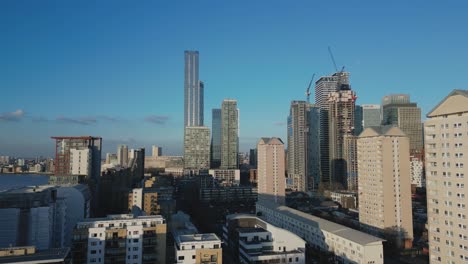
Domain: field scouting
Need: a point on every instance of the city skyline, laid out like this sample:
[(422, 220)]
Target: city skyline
[(127, 84)]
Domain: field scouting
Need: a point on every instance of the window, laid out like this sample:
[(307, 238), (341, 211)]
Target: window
[(181, 258), (193, 256)]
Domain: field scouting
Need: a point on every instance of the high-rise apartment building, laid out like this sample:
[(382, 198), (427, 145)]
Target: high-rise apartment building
[(197, 148), (298, 142), (370, 115), (323, 87), (271, 169), (399, 111), (350, 159), (193, 90), (229, 134), (77, 156), (384, 183), (216, 138), (341, 106), (120, 239), (157, 151), (446, 133), (122, 155)]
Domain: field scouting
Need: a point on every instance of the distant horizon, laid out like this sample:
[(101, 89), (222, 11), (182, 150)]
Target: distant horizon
[(115, 69)]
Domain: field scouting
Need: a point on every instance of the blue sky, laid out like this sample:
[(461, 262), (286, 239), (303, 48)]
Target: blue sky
[(115, 68)]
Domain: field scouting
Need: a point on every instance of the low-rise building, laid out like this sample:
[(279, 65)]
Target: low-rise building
[(29, 255), (226, 177), (198, 248), (252, 240), (348, 245)]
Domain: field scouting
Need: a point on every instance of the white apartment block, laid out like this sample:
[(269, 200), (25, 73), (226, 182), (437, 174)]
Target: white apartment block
[(446, 142), (349, 245), (80, 161), (417, 172), (258, 241), (228, 177), (384, 182), (120, 236), (198, 248), (137, 198)]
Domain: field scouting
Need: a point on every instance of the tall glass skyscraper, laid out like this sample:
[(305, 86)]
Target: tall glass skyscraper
[(216, 138), (193, 90), (229, 134)]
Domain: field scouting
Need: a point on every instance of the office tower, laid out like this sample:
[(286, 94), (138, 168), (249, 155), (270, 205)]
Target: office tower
[(370, 115), (122, 155), (229, 134), (313, 156), (253, 158), (197, 148), (446, 133), (193, 91), (157, 151), (323, 87), (298, 141), (77, 156), (350, 159), (341, 106), (399, 111), (358, 119), (384, 183), (271, 170), (216, 138), (120, 239)]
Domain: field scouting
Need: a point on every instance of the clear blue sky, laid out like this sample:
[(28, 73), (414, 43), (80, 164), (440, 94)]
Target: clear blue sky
[(115, 68)]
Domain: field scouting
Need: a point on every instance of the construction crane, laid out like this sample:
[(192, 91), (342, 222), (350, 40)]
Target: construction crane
[(333, 58), (308, 88)]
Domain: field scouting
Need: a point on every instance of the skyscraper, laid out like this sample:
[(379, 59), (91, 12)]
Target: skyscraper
[(323, 87), (399, 111), (370, 115), (446, 132), (271, 170), (193, 88), (341, 106), (197, 148), (229, 134), (122, 155), (384, 182), (313, 156), (358, 112), (298, 142), (216, 138)]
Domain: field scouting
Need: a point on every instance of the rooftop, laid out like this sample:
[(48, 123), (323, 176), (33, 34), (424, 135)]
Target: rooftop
[(198, 238), (325, 225), (251, 229), (42, 256), (29, 189)]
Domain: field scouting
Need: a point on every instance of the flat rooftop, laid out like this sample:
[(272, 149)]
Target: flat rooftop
[(28, 189), (42, 256), (199, 238), (251, 230), (325, 225)]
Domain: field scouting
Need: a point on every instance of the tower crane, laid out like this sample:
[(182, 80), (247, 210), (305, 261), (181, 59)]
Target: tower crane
[(308, 88)]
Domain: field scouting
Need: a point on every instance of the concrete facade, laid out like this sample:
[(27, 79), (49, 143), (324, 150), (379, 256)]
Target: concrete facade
[(271, 170)]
